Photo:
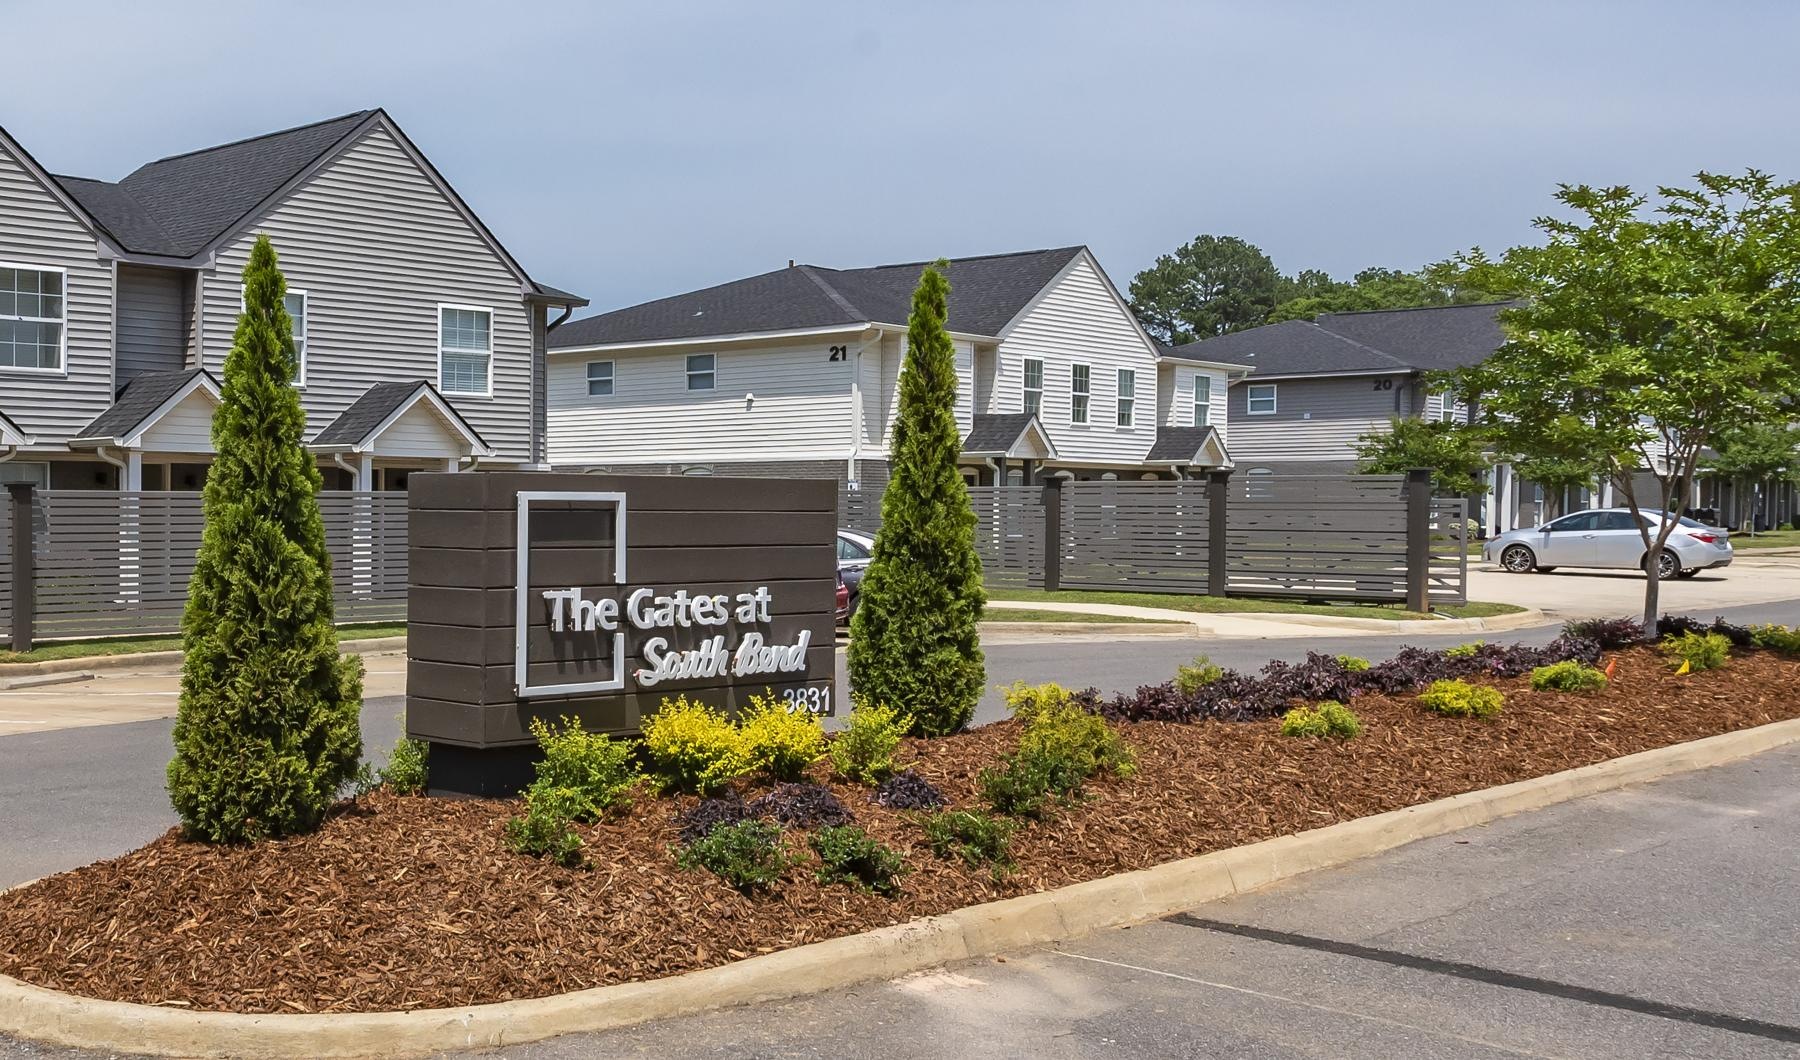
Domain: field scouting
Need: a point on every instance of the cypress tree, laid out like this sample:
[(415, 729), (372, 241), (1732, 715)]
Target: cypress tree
[(268, 727), (913, 640)]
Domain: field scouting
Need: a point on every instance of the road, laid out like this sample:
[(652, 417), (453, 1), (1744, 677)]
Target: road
[(72, 796)]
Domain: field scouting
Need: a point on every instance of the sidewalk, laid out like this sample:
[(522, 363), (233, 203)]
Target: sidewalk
[(1262, 625)]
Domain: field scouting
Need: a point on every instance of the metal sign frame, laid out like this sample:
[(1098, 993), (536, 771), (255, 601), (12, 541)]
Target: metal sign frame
[(522, 550)]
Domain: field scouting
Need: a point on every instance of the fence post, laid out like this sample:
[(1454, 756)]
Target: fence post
[(1053, 498), (24, 567), (1418, 539), (1218, 488)]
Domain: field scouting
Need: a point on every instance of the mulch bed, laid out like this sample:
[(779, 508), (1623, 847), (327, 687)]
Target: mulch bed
[(415, 902)]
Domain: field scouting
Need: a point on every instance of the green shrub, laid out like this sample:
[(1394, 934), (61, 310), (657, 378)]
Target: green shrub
[(1692, 652), (544, 834), (864, 752), (406, 772), (974, 837), (1021, 784), (1784, 639), (693, 747), (777, 742), (582, 774), (1460, 699), (749, 855), (1325, 719), (1570, 675), (847, 854), (1465, 651), (1192, 677), (1353, 663), (1061, 730)]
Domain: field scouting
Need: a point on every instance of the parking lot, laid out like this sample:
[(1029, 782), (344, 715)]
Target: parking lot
[(1568, 593)]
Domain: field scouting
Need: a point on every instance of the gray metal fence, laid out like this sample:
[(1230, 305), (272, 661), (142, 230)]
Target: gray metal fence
[(111, 563), (6, 570), (1135, 536), (1009, 534), (1318, 536), (859, 509)]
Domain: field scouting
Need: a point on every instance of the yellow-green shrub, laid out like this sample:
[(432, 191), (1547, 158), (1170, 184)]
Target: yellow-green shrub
[(1324, 719), (1784, 639), (1570, 675), (582, 774), (1697, 651), (778, 742), (693, 747), (1465, 651), (1060, 729), (864, 751), (1192, 677), (1460, 699), (1353, 663)]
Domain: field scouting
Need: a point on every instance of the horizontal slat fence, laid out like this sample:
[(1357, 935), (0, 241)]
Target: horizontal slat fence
[(1009, 534), (1447, 572), (118, 563), (1135, 536), (859, 510), (6, 571), (1317, 536)]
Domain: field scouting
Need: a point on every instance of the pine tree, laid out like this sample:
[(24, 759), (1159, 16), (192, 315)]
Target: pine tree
[(913, 643), (268, 726)]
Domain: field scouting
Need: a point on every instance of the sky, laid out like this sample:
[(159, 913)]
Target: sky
[(632, 151)]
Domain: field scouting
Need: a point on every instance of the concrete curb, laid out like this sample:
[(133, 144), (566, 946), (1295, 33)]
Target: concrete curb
[(1428, 626), (1090, 629), (977, 931), (153, 660)]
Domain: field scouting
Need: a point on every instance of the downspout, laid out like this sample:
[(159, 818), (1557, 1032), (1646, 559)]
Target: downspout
[(338, 459), (100, 451), (11, 451), (540, 396), (474, 462)]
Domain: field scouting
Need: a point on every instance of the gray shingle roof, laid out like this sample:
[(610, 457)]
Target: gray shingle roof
[(135, 402), (985, 294), (1179, 443), (996, 432), (354, 425), (123, 217), (1382, 340)]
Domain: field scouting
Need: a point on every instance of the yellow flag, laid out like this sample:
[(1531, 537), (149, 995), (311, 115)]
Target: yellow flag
[(1684, 667)]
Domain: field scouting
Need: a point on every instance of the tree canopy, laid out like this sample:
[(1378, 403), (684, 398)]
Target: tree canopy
[(1456, 455)]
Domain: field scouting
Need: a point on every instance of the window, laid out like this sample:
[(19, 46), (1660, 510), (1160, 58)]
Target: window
[(1447, 408), (1618, 521), (1078, 394), (1127, 395), (35, 472), (702, 371), (465, 349), (1202, 400), (1582, 522), (850, 551), (296, 310), (600, 378), (1034, 385), (31, 317), (1259, 399)]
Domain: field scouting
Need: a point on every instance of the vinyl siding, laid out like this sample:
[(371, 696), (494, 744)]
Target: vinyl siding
[(1079, 321), (36, 229), (893, 358), (418, 433), (155, 308), (186, 428), (1178, 403), (802, 407), (1315, 419), (377, 247)]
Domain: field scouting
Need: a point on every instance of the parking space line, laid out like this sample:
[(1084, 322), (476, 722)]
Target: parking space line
[(1778, 1032)]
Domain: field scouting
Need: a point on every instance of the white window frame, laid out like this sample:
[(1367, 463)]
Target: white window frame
[(488, 389), (1202, 400), (1125, 397), (1251, 398), (1080, 399), (1027, 391), (611, 380), (711, 372), (62, 352), (300, 339), (1447, 407)]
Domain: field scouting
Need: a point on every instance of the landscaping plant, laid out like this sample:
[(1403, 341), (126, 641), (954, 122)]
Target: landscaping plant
[(750, 855), (1323, 719), (1059, 729), (543, 833), (1567, 676), (908, 791), (708, 814), (268, 725), (847, 854), (779, 743), (1693, 652), (974, 837), (913, 638), (1353, 663), (693, 747), (1190, 678), (1673, 625), (406, 772), (864, 752), (582, 774), (1784, 639), (1610, 633), (1465, 651), (1460, 699), (801, 806)]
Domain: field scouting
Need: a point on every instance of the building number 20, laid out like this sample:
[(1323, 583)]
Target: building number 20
[(807, 700), (1384, 384), (840, 353)]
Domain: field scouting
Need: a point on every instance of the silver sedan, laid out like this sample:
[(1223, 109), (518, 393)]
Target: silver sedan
[(1608, 537)]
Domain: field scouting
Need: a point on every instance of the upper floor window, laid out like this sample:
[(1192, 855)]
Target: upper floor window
[(465, 349), (600, 378), (1034, 385), (1127, 395), (32, 314), (1202, 400), (1447, 407), (295, 302), (702, 371), (1078, 393), (1259, 399)]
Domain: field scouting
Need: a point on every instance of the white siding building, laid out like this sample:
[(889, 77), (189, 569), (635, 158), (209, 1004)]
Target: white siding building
[(795, 372)]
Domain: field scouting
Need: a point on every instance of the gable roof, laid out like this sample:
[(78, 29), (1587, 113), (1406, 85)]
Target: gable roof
[(357, 426), (140, 402), (986, 293), (1000, 434), (1186, 445), (1380, 340), (11, 433)]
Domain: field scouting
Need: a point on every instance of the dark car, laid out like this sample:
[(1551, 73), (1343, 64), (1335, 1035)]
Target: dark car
[(854, 550), (843, 600)]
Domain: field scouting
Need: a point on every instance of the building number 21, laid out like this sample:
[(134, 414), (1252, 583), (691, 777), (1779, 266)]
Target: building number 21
[(840, 353)]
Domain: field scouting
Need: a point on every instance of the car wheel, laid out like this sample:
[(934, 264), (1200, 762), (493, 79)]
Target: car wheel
[(1518, 559), (1668, 565), (1688, 573)]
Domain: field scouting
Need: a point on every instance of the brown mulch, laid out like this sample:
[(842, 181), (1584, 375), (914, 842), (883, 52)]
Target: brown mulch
[(415, 902)]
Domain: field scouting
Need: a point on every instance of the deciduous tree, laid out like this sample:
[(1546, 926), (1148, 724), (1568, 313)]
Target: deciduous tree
[(1209, 286)]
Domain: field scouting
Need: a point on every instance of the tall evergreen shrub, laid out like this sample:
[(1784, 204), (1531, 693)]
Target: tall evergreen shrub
[(913, 640), (268, 725)]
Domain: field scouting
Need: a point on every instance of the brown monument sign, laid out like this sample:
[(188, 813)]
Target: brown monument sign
[(596, 597)]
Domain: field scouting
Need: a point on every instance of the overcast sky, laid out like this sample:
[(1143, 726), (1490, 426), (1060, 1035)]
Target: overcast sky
[(630, 151)]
